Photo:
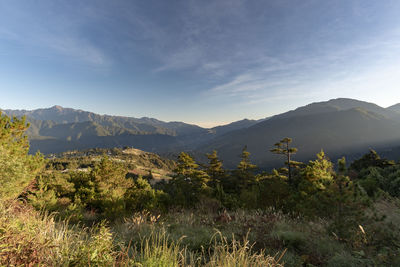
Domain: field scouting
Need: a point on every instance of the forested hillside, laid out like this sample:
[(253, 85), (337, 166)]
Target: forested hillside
[(353, 131), (337, 125)]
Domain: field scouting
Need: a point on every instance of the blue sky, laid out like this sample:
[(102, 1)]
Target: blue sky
[(207, 61)]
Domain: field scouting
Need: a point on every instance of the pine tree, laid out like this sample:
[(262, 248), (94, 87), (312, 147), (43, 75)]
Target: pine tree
[(186, 165), (311, 195), (245, 170), (371, 159), (215, 169), (319, 172), (347, 203), (110, 185), (110, 177), (283, 148), (189, 182)]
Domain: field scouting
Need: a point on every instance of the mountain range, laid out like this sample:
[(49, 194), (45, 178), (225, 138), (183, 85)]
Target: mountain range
[(339, 126)]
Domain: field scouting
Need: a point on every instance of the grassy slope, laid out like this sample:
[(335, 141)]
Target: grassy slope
[(137, 161), (31, 239), (201, 237)]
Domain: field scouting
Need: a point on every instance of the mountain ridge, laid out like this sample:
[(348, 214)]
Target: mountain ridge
[(311, 133), (313, 127), (337, 104), (395, 108)]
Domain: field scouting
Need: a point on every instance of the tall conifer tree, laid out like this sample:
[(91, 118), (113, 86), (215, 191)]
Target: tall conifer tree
[(283, 148)]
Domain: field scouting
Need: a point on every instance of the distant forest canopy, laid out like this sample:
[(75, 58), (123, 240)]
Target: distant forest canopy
[(341, 127)]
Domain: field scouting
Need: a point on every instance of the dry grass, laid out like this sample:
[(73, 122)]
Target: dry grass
[(236, 253), (29, 238)]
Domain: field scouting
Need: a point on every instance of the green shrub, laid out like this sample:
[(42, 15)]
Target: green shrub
[(141, 196), (291, 239), (17, 168), (196, 237), (346, 260)]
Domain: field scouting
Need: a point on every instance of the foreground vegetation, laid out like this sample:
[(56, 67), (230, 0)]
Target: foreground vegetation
[(93, 209), (31, 238)]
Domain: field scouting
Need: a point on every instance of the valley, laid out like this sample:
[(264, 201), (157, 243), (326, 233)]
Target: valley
[(335, 126)]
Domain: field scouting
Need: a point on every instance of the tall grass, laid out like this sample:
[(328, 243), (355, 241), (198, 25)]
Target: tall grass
[(29, 238), (23, 236), (236, 253), (157, 250)]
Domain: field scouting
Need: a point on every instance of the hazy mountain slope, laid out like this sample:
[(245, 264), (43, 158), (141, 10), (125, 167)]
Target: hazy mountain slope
[(336, 132), (395, 108), (82, 129), (35, 127), (62, 115), (339, 126), (149, 142), (223, 129), (49, 137), (337, 105), (59, 129)]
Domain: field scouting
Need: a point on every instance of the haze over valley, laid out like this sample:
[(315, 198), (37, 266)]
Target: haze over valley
[(335, 126)]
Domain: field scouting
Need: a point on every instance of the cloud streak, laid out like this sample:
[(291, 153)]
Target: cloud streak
[(44, 36), (342, 68)]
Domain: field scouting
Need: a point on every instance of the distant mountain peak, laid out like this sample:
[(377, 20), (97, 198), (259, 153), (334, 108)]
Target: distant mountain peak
[(345, 99), (344, 102), (57, 107), (395, 108), (338, 104)]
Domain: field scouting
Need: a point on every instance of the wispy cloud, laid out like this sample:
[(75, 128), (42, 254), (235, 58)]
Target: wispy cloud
[(220, 55), (200, 41), (73, 48), (48, 35), (287, 76)]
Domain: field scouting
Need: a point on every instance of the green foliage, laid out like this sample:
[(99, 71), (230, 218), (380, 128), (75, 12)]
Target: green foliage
[(321, 216), (31, 239), (186, 165), (245, 165), (53, 191), (274, 191), (245, 170), (318, 173), (85, 187), (347, 204), (238, 253), (215, 170), (141, 196), (283, 148), (371, 159), (104, 191), (110, 185), (17, 168), (375, 180), (156, 250), (292, 239), (189, 182), (97, 248), (345, 259)]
